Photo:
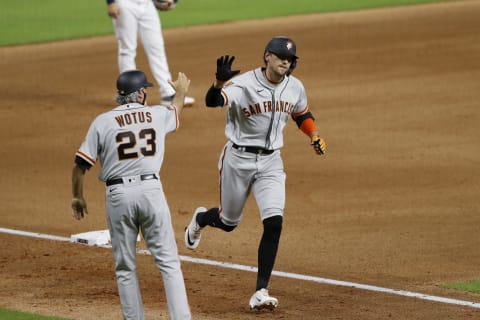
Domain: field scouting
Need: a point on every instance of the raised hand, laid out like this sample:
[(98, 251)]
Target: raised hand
[(224, 68)]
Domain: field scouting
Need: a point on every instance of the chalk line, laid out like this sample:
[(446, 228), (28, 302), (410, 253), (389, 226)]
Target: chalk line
[(277, 273)]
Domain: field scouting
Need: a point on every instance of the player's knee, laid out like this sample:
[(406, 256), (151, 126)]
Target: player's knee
[(273, 226)]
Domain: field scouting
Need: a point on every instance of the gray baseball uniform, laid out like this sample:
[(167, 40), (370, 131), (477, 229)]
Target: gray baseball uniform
[(259, 104), (129, 143), (257, 114)]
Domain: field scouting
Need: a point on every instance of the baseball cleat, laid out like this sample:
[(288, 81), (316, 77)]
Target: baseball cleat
[(193, 232), (189, 101), (166, 101), (261, 300)]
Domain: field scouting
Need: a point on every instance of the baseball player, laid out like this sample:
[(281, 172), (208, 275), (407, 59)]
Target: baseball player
[(259, 103), (132, 17), (129, 143)]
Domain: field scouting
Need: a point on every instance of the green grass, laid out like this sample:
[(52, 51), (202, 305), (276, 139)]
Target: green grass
[(14, 315), (471, 286), (29, 21)]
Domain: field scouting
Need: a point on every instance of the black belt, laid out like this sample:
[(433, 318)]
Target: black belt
[(255, 150), (143, 177)]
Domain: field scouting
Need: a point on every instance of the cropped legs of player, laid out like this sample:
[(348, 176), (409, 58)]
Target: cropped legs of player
[(132, 19), (259, 103)]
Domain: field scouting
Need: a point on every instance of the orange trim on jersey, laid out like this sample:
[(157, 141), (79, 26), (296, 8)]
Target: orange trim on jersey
[(308, 126), (225, 97), (298, 114), (85, 157)]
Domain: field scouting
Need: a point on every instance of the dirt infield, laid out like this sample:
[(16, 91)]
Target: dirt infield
[(394, 203)]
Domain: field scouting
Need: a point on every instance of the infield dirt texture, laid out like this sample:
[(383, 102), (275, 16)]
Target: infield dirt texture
[(393, 203)]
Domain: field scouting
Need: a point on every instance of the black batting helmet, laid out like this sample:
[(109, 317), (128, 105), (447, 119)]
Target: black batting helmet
[(284, 48), (131, 81)]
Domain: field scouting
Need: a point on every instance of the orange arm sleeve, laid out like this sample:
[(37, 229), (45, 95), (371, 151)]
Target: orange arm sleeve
[(308, 127)]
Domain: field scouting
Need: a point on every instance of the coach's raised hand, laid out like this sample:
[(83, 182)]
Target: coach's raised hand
[(181, 85)]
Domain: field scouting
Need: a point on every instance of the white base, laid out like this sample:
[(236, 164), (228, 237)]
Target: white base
[(99, 238)]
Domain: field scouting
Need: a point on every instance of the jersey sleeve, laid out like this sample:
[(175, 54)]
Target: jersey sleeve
[(88, 150), (232, 94), (169, 118), (301, 107)]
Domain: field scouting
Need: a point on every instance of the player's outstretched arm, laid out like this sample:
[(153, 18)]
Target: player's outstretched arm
[(224, 73), (181, 86)]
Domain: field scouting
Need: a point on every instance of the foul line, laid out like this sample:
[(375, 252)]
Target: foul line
[(277, 273)]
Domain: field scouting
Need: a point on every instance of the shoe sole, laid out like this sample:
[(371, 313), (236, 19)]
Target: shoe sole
[(268, 306), (186, 236)]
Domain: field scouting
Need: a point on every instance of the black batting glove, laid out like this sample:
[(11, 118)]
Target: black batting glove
[(224, 68)]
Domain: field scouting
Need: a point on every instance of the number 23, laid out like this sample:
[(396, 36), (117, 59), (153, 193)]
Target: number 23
[(127, 140)]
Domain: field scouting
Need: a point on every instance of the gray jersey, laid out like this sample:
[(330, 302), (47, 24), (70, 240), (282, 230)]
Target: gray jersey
[(129, 143), (258, 110), (129, 140)]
